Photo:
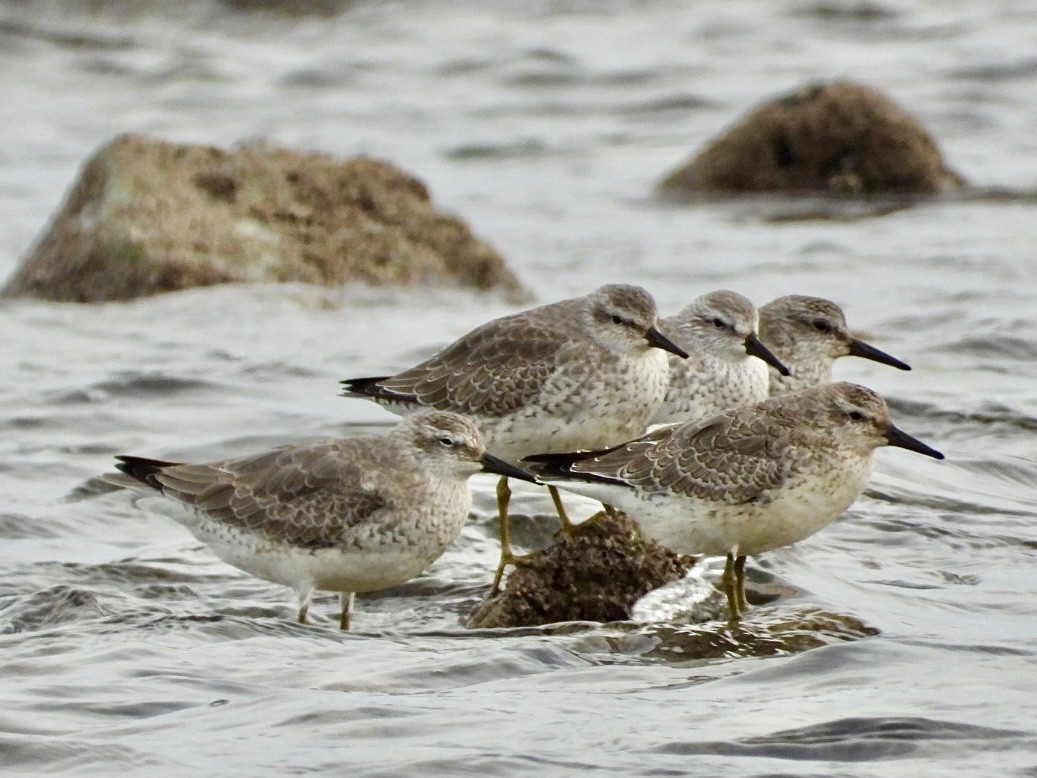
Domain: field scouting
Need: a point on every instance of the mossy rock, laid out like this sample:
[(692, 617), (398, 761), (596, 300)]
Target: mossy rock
[(839, 138), (149, 216), (595, 573)]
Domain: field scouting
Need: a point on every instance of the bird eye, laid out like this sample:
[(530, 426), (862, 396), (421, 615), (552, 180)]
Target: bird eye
[(856, 415), (446, 442), (718, 323), (616, 319), (821, 325)]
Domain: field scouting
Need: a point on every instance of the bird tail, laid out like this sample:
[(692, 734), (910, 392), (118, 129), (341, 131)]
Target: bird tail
[(560, 466), (143, 470), (363, 387)]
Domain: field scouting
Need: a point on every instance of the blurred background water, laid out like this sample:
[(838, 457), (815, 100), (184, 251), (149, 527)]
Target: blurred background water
[(126, 646)]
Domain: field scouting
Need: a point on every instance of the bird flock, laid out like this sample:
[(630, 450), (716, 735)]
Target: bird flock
[(718, 429)]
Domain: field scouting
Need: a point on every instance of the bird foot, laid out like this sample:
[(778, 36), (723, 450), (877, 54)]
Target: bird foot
[(515, 560)]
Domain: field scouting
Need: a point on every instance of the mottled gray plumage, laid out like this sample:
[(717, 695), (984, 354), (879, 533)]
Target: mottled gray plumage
[(726, 365), (580, 373), (349, 515), (808, 334), (747, 480)]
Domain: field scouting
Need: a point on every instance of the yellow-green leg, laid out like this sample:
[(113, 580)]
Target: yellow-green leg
[(506, 556), (305, 595), (563, 517), (730, 583)]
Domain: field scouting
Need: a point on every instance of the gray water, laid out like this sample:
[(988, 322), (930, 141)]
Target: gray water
[(905, 639)]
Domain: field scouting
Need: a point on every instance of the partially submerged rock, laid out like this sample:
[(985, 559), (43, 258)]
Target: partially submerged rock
[(596, 573), (839, 137), (149, 216), (777, 633)]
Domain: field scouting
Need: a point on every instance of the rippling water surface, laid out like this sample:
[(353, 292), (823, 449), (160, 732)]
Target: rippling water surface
[(903, 638)]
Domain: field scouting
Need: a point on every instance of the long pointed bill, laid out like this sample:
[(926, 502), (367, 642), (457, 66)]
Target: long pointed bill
[(899, 438), (491, 464), (858, 348), (657, 339), (754, 347)]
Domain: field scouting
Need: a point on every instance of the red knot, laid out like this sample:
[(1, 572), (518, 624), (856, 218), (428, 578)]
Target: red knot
[(348, 515), (745, 481)]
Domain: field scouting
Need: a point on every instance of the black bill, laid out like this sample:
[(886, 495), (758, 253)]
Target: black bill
[(657, 339), (899, 438), (754, 347), (492, 464), (858, 348)]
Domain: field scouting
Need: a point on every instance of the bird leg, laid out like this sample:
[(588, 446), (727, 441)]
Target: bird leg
[(731, 589), (567, 526), (347, 610), (743, 603), (506, 556), (563, 517), (305, 595)]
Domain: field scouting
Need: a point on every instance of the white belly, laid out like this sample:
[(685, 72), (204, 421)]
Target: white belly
[(694, 526), (331, 569), (390, 547)]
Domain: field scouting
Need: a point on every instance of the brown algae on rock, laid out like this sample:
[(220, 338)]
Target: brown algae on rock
[(595, 573), (839, 137), (149, 216)]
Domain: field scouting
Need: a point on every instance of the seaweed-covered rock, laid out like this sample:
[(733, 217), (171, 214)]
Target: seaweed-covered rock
[(148, 216), (839, 137), (596, 573)]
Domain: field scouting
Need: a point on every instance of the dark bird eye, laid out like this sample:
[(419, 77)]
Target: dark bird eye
[(718, 323), (617, 319), (822, 326), (856, 415), (447, 442)]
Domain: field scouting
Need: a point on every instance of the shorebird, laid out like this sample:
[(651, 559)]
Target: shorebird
[(808, 334), (586, 372), (727, 365), (349, 515), (742, 482)]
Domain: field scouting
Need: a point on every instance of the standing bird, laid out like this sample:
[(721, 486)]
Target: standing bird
[(727, 365), (587, 372), (745, 481), (808, 334), (348, 515)]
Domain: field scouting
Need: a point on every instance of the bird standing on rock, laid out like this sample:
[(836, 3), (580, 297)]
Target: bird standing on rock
[(742, 482), (587, 372)]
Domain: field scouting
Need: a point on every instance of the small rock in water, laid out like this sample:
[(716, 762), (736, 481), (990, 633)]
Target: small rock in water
[(772, 634), (149, 216), (840, 138), (596, 573)]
